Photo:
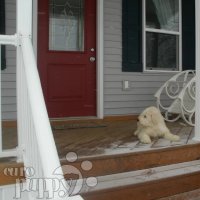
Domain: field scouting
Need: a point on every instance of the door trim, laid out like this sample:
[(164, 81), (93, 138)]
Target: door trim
[(100, 58), (100, 52)]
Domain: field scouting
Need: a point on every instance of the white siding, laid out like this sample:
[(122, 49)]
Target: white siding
[(9, 74), (143, 85)]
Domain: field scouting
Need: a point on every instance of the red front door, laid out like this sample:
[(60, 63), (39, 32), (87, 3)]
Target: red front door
[(66, 56)]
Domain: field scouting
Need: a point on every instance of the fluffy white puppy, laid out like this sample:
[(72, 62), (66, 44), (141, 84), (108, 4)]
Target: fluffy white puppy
[(151, 124)]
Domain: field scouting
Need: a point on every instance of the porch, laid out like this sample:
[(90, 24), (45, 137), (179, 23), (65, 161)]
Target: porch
[(113, 150), (104, 150), (111, 136)]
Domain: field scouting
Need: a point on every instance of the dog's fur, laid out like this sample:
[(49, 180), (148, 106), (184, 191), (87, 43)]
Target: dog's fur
[(151, 124)]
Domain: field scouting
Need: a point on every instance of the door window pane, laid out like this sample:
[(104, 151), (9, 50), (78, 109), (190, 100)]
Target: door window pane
[(162, 14), (66, 25), (162, 51)]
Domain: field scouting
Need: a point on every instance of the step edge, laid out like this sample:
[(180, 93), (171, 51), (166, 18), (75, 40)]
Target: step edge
[(138, 152), (118, 181)]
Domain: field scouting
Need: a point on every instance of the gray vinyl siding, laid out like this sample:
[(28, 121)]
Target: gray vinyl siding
[(143, 85), (9, 74)]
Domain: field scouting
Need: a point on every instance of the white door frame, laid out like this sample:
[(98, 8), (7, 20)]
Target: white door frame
[(100, 51)]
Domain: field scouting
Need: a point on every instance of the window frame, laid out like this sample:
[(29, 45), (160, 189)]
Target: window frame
[(154, 30)]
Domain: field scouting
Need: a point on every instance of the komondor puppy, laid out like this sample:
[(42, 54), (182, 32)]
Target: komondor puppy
[(151, 124)]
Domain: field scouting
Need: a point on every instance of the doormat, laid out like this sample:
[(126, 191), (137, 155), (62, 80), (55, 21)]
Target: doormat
[(78, 126)]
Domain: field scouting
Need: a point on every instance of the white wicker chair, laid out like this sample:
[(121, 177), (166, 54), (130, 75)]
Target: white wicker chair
[(176, 97)]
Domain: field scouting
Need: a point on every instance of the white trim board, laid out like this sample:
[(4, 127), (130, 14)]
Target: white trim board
[(100, 58), (197, 114)]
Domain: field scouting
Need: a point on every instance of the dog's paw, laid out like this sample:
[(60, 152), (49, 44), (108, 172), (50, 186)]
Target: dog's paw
[(145, 139), (175, 138), (172, 137)]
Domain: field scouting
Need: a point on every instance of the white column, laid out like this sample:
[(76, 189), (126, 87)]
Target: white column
[(197, 115), (24, 17), (24, 26)]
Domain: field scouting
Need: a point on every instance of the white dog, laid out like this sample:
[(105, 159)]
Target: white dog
[(151, 124)]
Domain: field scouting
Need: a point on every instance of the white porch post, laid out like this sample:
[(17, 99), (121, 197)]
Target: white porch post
[(197, 115), (24, 26), (24, 17)]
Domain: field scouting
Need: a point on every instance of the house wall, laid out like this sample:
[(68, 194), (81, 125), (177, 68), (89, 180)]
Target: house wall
[(143, 85), (116, 101), (9, 74)]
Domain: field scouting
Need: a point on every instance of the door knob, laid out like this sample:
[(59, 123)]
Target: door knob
[(92, 59)]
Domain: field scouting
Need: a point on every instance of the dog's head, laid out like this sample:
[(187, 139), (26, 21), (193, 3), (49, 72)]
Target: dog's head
[(150, 117)]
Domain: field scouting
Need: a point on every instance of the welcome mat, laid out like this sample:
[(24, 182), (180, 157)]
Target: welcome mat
[(78, 126)]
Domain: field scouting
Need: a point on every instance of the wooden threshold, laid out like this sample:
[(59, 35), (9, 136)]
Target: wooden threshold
[(57, 122), (13, 123)]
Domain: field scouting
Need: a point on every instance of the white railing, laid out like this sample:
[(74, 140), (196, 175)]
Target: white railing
[(35, 139), (35, 136)]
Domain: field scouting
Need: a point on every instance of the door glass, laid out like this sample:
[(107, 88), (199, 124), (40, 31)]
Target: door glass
[(66, 25)]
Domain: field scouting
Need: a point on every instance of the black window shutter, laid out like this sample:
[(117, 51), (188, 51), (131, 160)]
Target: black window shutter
[(188, 34), (132, 36), (2, 31)]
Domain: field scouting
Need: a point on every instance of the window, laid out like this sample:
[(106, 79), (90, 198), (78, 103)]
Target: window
[(158, 35), (162, 35)]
